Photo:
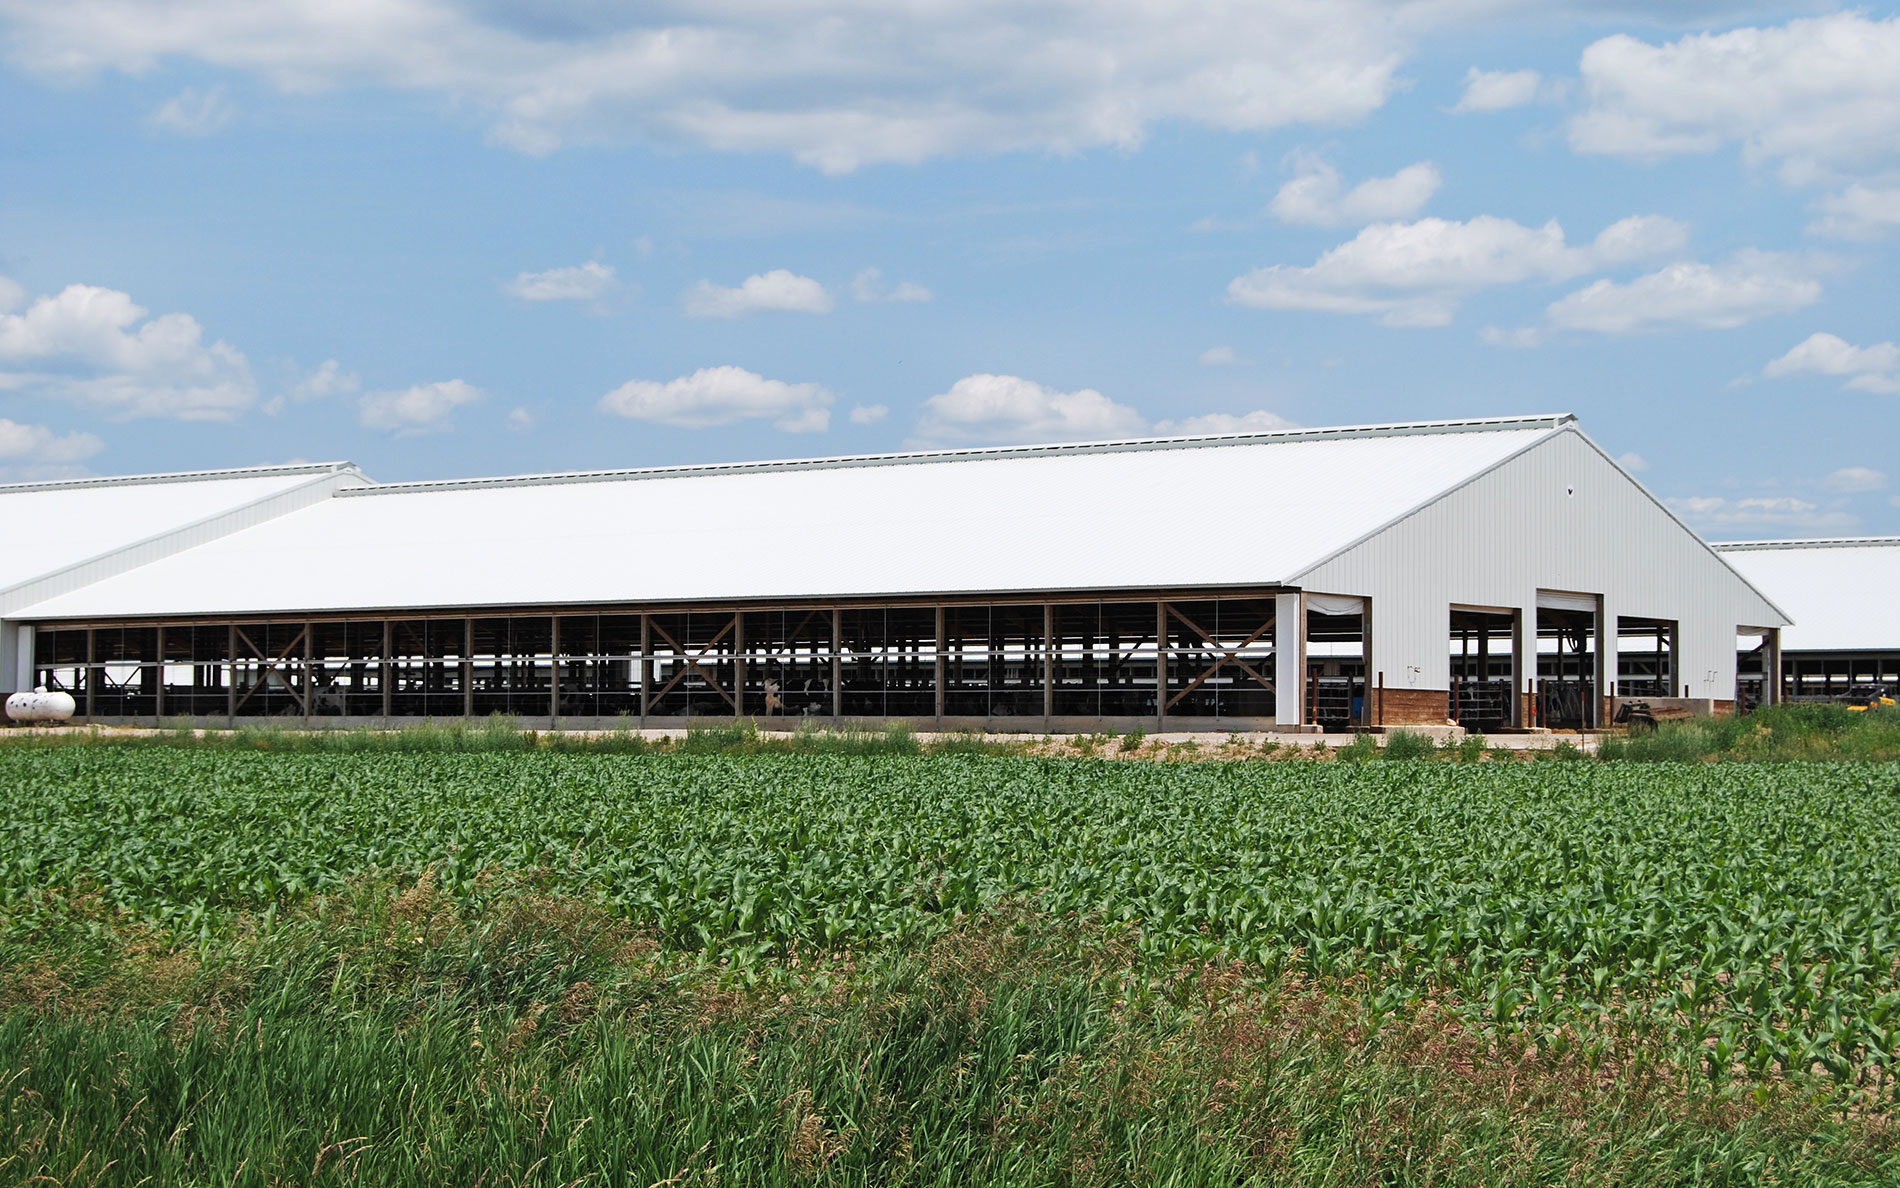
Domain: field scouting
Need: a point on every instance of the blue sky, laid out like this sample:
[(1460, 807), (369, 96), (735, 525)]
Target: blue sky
[(469, 238)]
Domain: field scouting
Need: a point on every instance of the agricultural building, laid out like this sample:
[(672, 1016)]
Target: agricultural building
[(1497, 572), (1842, 594)]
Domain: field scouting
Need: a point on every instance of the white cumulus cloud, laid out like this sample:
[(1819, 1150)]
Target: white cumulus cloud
[(868, 285), (1497, 90), (869, 414), (1782, 512), (1317, 196), (98, 347), (37, 443), (1219, 356), (834, 83), (192, 112), (1814, 96), (329, 379), (1860, 211), (1855, 479), (1009, 409), (1690, 295), (778, 290), (1417, 274), (715, 396), (1258, 421), (1870, 369), (422, 408), (577, 282)]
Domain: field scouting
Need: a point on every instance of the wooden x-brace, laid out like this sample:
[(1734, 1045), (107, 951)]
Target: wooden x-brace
[(693, 663), (270, 667), (1225, 656)]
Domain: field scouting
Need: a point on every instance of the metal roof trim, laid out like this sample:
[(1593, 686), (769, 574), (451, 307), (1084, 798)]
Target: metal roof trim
[(181, 476), (979, 453), (1825, 542)]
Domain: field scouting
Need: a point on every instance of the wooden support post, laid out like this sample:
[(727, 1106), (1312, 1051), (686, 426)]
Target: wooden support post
[(837, 664), (309, 692), (158, 699), (1161, 666), (1603, 682), (389, 670), (940, 666), (230, 684), (646, 667), (1524, 663), (468, 668), (738, 664), (554, 671), (1048, 661), (1365, 655), (92, 671), (1381, 721)]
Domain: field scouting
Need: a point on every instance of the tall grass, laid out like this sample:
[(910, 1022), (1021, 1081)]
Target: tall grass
[(1406, 744), (385, 1038), (1779, 732), (501, 732), (1785, 732)]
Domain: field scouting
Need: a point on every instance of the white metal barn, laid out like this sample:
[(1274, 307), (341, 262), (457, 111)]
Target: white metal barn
[(1845, 597), (1499, 572)]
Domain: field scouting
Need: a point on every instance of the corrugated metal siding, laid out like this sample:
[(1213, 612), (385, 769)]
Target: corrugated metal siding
[(1558, 517), (1841, 597), (1248, 512)]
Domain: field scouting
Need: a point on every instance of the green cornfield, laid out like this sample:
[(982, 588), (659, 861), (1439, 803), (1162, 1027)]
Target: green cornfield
[(1743, 914)]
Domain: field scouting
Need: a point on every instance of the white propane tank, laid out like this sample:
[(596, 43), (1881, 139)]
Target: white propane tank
[(40, 706)]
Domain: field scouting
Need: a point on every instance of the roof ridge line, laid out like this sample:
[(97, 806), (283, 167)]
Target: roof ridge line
[(1813, 542), (176, 476), (976, 453)]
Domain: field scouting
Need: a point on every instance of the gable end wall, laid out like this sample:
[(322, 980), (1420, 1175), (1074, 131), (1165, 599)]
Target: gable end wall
[(1519, 528)]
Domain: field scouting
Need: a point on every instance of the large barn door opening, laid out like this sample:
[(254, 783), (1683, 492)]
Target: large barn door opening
[(1754, 668), (1567, 641), (1645, 657), (1337, 685), (1483, 661)]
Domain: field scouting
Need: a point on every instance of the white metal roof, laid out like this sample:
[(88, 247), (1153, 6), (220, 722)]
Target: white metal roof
[(1843, 594), (47, 526), (1239, 509)]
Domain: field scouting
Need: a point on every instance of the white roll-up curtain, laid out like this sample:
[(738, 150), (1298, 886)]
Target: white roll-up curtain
[(1334, 604), (1559, 600)]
